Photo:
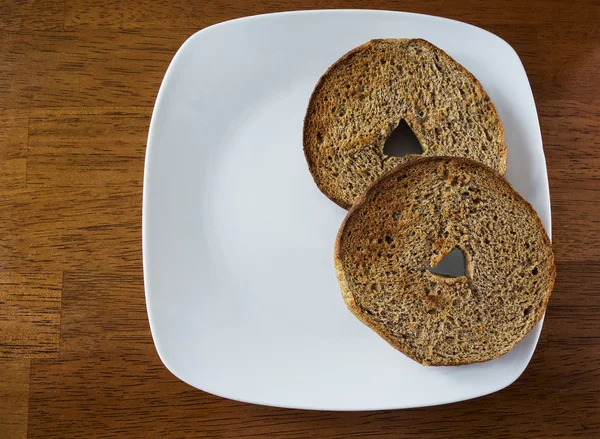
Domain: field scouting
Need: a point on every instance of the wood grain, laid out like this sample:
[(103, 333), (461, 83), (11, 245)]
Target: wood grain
[(87, 147), (14, 125), (17, 15), (30, 319), (84, 69), (14, 397), (78, 81)]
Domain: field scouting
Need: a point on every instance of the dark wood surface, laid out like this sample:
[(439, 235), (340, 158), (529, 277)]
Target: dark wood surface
[(77, 86)]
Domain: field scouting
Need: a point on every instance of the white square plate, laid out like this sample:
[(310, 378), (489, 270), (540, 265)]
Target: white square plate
[(238, 241)]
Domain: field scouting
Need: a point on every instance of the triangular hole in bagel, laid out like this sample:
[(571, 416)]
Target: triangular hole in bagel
[(402, 141), (451, 265)]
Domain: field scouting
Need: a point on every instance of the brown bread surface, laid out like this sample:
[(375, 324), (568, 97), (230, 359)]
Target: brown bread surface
[(365, 95), (408, 221)]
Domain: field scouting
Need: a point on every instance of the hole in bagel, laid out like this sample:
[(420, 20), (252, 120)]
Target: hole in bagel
[(451, 265), (402, 141)]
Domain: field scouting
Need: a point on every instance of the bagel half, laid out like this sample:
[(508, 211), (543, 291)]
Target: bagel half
[(366, 94), (407, 222)]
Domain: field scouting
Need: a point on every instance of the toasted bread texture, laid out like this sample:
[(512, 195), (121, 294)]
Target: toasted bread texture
[(366, 94), (408, 221)]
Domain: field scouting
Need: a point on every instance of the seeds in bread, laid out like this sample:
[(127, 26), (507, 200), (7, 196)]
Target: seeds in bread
[(365, 95), (408, 221)]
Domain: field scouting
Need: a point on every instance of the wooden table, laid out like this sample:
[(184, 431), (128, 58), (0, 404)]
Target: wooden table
[(77, 86)]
